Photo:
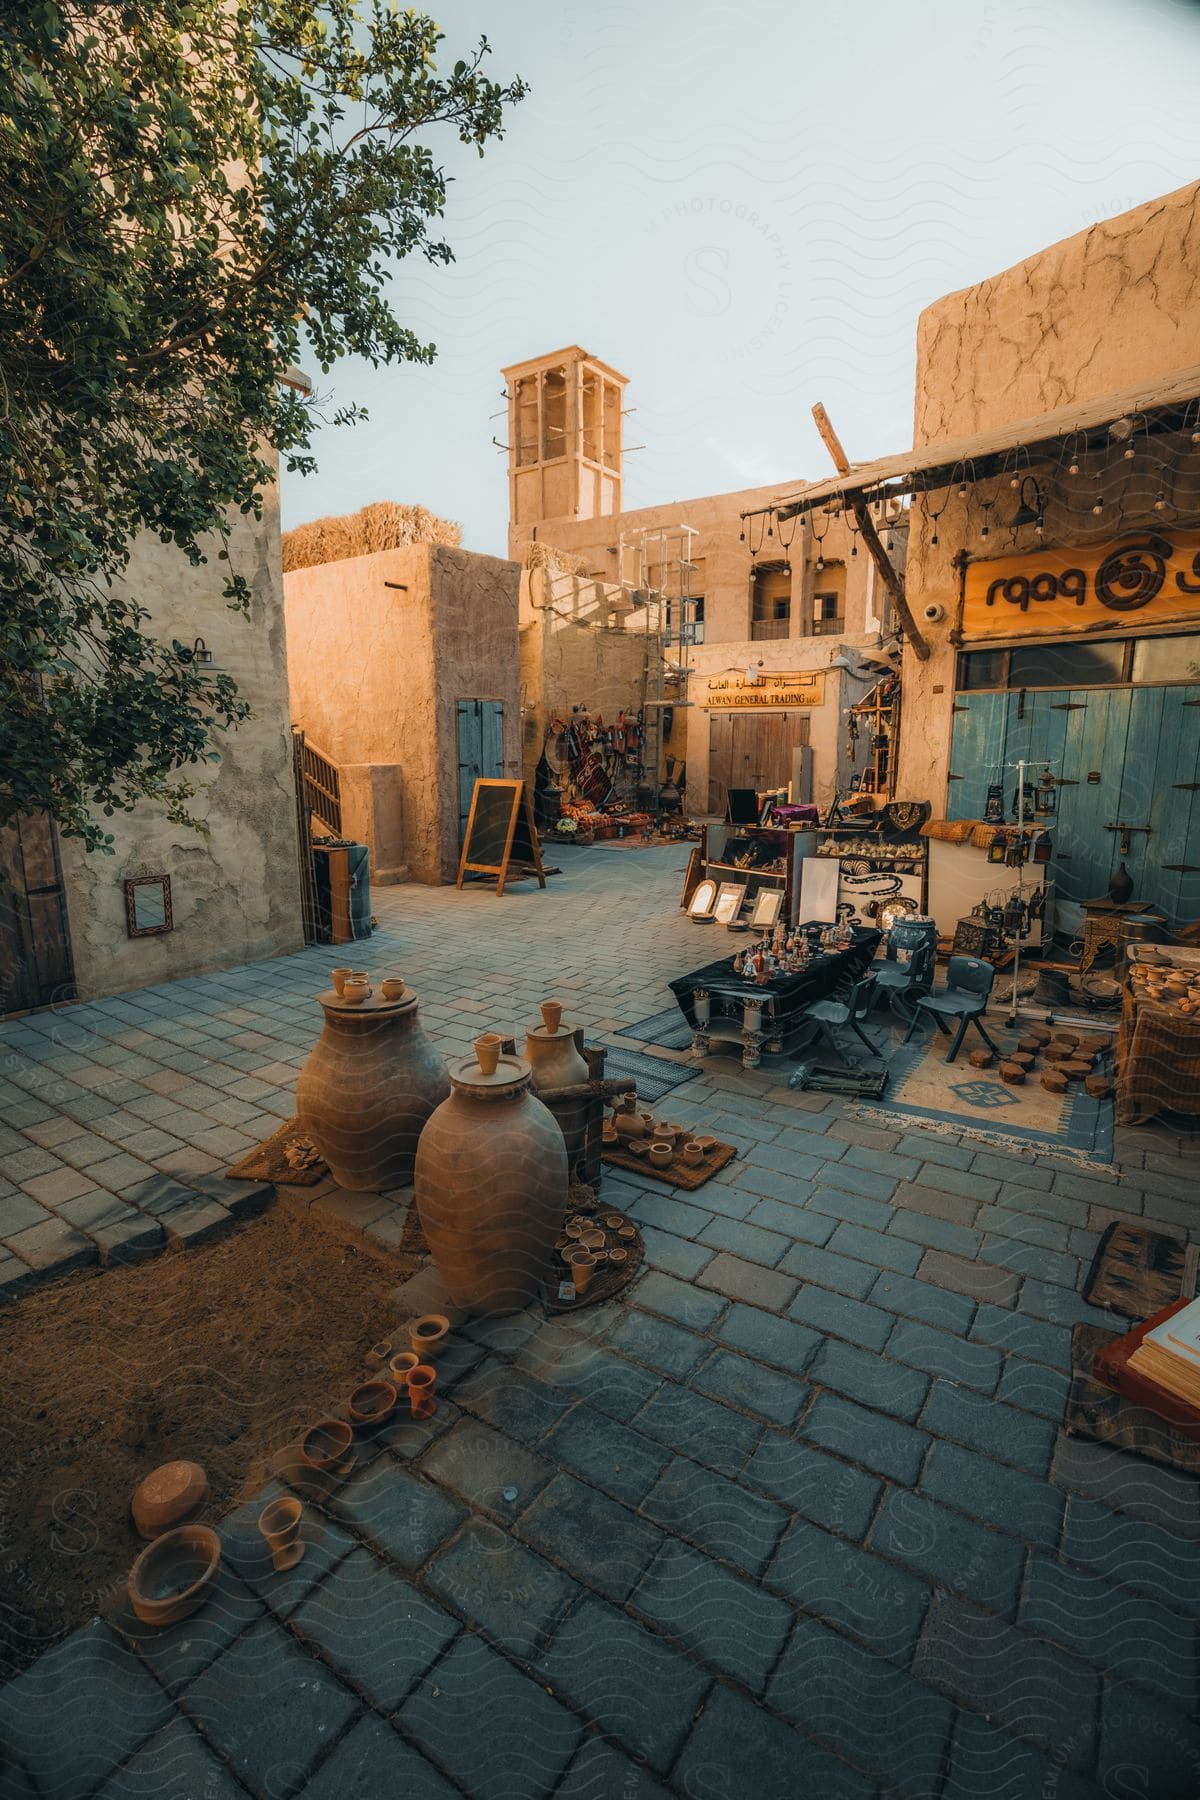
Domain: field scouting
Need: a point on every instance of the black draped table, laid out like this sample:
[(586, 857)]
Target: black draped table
[(718, 1003)]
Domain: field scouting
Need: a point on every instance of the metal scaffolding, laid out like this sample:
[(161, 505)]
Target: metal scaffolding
[(657, 565)]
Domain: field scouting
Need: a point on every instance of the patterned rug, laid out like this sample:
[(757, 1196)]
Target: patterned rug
[(654, 1076), (668, 1029), (955, 1097)]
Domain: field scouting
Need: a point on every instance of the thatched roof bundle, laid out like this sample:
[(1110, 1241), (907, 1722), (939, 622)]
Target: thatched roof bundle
[(385, 525)]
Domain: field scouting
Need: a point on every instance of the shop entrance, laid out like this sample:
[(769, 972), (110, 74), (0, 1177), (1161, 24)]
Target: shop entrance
[(480, 751), (1122, 756), (35, 948), (751, 750)]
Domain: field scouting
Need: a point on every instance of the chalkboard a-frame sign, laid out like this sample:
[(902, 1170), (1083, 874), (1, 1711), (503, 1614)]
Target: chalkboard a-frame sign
[(500, 833)]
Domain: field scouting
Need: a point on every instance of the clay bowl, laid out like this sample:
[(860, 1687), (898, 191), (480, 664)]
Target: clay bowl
[(693, 1155), (401, 1366), (168, 1496), (628, 1232), (573, 1229), (427, 1336), (380, 1354), (371, 1403), (392, 988), (592, 1240), (354, 992), (174, 1574), (661, 1152), (705, 1142), (639, 1146), (614, 1221), (618, 1256), (327, 1445)]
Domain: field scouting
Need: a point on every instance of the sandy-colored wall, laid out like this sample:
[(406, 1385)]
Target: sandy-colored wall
[(1099, 312), (573, 653), (476, 657), (377, 671), (235, 894)]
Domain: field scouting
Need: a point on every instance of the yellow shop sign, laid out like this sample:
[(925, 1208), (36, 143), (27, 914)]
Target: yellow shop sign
[(738, 693), (1149, 578)]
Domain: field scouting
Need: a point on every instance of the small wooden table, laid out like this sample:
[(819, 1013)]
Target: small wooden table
[(1158, 1061), (1102, 926)]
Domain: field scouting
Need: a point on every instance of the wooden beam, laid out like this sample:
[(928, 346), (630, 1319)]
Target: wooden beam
[(892, 580), (830, 439)]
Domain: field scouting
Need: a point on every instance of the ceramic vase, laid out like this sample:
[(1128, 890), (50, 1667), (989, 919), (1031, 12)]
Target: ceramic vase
[(367, 1089), (491, 1187), (554, 1057)]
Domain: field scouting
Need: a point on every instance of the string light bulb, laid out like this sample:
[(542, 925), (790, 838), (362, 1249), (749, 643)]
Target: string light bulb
[(1073, 468), (1098, 508), (1160, 503)]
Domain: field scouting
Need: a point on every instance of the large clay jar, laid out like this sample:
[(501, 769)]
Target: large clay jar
[(491, 1187), (554, 1057), (366, 1091)]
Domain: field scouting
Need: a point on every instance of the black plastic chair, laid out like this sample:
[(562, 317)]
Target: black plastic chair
[(897, 981), (850, 1011), (965, 996)]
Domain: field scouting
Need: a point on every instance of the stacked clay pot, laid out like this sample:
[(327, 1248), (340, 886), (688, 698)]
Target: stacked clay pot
[(491, 1186), (368, 1087)]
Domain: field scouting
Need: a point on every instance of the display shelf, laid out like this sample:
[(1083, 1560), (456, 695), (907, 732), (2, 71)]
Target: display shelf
[(794, 845)]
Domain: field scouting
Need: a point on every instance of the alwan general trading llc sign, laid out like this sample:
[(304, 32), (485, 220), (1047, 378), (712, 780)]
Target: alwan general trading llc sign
[(739, 693)]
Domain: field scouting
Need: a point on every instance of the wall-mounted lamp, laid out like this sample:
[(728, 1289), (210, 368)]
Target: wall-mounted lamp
[(198, 653), (1031, 512)]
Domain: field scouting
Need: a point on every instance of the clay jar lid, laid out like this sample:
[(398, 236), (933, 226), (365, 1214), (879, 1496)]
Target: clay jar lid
[(168, 1496), (512, 1074)]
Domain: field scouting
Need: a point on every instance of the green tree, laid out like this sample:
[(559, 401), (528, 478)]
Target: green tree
[(194, 195)]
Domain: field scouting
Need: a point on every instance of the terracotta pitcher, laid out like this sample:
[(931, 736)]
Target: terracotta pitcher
[(491, 1187), (368, 1087), (555, 1059)]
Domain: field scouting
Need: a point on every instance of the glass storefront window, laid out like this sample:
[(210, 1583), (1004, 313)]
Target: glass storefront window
[(1167, 659), (1066, 665), (983, 669)]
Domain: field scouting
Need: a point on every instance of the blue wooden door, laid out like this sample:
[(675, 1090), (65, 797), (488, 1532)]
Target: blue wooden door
[(480, 751), (1121, 756)]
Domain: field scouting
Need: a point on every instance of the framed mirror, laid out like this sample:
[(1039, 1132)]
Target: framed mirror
[(768, 904), (729, 901), (700, 905), (148, 905)]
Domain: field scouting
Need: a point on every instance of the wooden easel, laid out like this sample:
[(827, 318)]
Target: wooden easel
[(500, 832)]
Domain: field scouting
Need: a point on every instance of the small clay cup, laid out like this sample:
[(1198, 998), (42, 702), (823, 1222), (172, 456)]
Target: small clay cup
[(421, 1382), (628, 1232), (355, 990), (647, 1119), (327, 1446), (618, 1256), (487, 1051), (372, 1402), (574, 1230), (279, 1522), (173, 1575), (705, 1142), (592, 1240), (552, 1012), (627, 1103), (693, 1155), (339, 977), (402, 1365), (661, 1152), (614, 1221), (583, 1267), (427, 1336), (392, 988)]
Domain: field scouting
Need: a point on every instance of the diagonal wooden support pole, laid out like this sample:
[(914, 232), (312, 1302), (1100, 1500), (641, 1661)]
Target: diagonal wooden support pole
[(891, 578)]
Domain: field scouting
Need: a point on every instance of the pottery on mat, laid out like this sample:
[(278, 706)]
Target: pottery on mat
[(661, 1153), (392, 988), (174, 1574), (168, 1495), (339, 978), (583, 1267)]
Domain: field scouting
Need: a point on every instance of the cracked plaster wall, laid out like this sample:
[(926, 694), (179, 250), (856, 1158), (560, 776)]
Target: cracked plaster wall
[(235, 895), (1104, 310)]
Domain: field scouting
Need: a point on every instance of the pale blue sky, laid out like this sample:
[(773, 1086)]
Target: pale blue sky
[(744, 208)]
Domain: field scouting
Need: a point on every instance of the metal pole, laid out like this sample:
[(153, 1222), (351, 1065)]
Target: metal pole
[(1012, 1012)]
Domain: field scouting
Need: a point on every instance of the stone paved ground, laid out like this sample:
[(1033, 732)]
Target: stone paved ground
[(795, 1517)]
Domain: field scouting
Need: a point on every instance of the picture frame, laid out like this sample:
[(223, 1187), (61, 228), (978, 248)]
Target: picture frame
[(701, 904), (768, 904), (729, 901), (148, 906), (692, 879)]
